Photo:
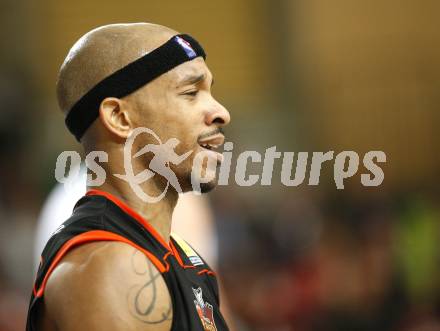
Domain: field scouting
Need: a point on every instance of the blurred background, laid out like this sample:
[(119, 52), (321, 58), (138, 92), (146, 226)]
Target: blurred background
[(305, 75)]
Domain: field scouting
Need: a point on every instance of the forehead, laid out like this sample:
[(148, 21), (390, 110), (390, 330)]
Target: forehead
[(194, 67)]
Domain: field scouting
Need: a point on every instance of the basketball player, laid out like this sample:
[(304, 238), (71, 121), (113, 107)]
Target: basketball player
[(113, 265)]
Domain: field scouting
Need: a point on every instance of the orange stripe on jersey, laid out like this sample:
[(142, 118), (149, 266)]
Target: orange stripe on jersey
[(93, 236), (178, 258), (206, 271), (133, 214)]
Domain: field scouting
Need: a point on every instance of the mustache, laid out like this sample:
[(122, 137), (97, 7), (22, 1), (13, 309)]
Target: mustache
[(211, 133)]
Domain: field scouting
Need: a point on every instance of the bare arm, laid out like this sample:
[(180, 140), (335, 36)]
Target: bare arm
[(106, 286)]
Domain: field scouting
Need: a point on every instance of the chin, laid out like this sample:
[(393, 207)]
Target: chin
[(207, 187), (204, 187)]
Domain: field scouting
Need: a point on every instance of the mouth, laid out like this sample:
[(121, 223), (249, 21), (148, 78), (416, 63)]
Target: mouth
[(212, 143)]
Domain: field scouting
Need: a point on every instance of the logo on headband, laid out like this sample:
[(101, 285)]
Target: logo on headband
[(186, 47)]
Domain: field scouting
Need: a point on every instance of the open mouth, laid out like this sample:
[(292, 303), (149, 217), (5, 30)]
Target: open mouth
[(212, 143), (209, 146)]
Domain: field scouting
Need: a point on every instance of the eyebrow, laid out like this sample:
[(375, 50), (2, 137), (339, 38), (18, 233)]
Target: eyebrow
[(194, 79)]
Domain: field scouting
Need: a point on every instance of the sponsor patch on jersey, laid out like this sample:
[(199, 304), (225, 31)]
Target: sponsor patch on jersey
[(188, 250), (204, 310)]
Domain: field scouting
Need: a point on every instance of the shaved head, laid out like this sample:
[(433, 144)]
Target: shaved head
[(103, 51)]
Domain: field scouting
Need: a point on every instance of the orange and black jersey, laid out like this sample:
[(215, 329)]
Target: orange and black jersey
[(99, 216)]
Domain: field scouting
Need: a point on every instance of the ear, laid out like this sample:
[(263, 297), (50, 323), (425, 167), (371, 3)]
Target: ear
[(114, 115)]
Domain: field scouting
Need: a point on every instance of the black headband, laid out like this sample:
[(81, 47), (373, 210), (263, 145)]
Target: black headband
[(177, 50)]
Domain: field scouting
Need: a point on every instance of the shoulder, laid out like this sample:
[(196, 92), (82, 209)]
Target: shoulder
[(109, 285)]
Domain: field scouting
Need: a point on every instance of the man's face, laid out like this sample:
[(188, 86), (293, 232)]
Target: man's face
[(179, 104)]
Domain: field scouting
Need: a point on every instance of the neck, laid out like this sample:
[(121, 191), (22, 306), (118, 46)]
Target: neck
[(158, 214)]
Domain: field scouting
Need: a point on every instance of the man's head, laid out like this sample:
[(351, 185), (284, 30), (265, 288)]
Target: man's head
[(177, 104)]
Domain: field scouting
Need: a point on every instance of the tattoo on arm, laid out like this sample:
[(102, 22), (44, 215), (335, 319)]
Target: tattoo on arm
[(142, 298)]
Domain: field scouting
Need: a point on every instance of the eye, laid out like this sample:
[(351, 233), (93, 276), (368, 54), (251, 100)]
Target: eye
[(191, 93)]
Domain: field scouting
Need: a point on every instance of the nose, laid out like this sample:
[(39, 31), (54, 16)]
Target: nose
[(218, 114)]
